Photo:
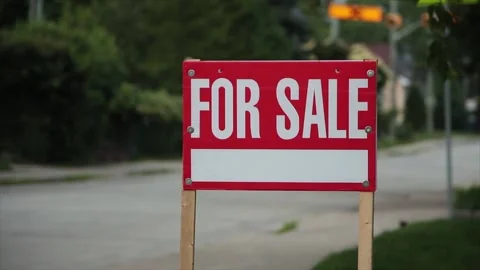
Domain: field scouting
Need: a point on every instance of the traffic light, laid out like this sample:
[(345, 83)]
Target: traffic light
[(393, 20), (356, 12), (365, 13)]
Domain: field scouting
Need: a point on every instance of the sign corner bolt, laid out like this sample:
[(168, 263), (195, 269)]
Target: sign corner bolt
[(368, 129)]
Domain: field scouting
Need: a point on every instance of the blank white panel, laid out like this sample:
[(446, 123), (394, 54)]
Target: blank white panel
[(265, 165)]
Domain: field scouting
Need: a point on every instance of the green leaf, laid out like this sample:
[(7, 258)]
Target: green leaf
[(459, 2)]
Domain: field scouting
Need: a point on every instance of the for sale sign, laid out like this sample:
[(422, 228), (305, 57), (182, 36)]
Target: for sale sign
[(279, 125)]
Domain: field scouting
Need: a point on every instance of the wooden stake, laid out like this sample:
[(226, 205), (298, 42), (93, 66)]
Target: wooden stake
[(187, 235), (365, 230)]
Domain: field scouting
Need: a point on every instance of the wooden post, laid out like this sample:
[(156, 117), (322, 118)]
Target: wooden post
[(365, 230), (187, 234), (188, 216)]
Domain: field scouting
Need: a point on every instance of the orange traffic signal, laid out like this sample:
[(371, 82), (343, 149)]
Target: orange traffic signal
[(393, 20), (355, 12), (425, 19)]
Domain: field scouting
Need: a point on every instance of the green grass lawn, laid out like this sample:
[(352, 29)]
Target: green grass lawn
[(58, 179), (434, 245)]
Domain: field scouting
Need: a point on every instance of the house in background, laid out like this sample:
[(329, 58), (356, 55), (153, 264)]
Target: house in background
[(381, 52)]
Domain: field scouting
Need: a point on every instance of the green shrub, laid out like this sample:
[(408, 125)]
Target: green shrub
[(5, 162), (404, 133), (147, 120), (468, 198), (58, 81), (383, 121), (459, 115), (415, 111)]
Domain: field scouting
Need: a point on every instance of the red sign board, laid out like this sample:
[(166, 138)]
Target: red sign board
[(279, 125)]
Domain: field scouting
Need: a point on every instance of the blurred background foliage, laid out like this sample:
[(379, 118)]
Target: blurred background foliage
[(96, 81)]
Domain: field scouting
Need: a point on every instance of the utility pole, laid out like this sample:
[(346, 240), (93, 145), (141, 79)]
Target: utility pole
[(429, 99), (448, 139), (430, 102), (335, 25), (448, 144), (35, 10), (393, 6)]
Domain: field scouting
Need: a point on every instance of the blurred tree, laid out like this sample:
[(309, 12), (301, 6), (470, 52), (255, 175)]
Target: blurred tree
[(13, 11), (156, 36), (297, 25), (455, 46), (455, 51)]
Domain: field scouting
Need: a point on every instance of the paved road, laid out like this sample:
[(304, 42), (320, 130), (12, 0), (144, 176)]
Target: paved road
[(94, 225)]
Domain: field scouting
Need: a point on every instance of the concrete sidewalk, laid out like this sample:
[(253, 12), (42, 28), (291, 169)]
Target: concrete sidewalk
[(316, 237), (35, 172)]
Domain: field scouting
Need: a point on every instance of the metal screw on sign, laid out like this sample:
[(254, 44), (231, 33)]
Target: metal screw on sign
[(368, 129), (190, 130), (191, 72), (188, 181), (365, 184), (370, 73)]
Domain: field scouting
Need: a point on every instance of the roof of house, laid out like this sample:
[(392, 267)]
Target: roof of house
[(382, 50), (360, 51)]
